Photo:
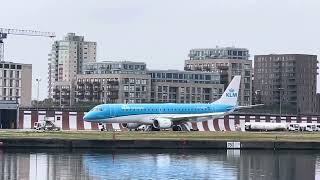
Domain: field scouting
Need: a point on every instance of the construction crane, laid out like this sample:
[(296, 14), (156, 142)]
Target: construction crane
[(4, 33)]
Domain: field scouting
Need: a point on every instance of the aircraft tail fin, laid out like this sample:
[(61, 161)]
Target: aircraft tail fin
[(230, 95)]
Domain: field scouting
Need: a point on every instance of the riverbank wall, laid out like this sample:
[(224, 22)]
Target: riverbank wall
[(154, 144)]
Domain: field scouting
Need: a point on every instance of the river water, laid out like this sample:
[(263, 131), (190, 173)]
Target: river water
[(158, 164)]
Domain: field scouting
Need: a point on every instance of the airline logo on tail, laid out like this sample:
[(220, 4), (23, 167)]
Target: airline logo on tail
[(231, 93)]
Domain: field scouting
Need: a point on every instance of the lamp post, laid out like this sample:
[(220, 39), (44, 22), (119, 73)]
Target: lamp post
[(280, 99), (38, 83)]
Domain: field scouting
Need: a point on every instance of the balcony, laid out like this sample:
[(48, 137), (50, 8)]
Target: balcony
[(66, 96), (65, 93), (96, 83), (80, 83), (88, 83), (65, 103), (96, 89), (223, 67), (88, 89), (113, 89), (56, 90), (56, 96), (113, 96), (223, 73), (113, 82), (80, 89), (80, 96), (88, 96), (65, 90), (206, 69), (97, 97)]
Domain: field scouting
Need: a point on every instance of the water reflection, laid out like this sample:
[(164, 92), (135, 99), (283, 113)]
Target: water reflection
[(158, 164)]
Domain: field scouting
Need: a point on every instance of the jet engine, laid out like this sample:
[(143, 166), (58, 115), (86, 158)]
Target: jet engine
[(162, 123), (130, 125)]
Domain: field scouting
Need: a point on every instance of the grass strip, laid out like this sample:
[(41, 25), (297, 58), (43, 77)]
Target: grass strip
[(167, 135)]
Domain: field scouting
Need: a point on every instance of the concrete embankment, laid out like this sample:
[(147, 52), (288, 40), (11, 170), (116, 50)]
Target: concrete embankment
[(153, 144)]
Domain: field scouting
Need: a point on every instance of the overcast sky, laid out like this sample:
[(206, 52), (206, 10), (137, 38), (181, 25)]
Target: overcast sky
[(160, 32)]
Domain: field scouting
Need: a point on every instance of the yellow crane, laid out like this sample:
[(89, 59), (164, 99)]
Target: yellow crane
[(4, 33)]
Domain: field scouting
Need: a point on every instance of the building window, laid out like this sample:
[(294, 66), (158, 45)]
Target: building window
[(17, 74)]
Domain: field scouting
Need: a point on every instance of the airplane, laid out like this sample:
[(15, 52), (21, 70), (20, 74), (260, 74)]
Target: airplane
[(167, 115)]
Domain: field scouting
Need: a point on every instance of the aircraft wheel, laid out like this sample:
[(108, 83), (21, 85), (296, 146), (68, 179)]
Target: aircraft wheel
[(155, 129), (176, 128)]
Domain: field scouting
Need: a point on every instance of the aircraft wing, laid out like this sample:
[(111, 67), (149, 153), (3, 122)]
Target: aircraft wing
[(181, 118), (248, 107)]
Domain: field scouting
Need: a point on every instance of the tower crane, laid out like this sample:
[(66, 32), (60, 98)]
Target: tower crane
[(4, 33)]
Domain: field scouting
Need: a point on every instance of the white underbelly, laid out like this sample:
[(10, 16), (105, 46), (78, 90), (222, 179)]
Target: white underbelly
[(148, 118)]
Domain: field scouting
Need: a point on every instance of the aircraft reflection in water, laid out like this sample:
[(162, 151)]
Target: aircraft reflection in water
[(138, 164)]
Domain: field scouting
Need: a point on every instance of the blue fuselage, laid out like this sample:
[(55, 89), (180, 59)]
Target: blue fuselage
[(108, 111)]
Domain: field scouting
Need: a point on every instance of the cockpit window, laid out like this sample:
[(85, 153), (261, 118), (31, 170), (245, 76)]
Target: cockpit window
[(96, 109)]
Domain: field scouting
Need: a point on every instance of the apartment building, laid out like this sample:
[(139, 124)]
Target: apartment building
[(16, 82), (219, 53), (291, 78), (63, 93), (114, 67), (67, 58), (228, 62), (185, 86), (113, 82), (113, 88)]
